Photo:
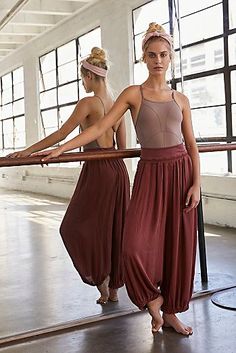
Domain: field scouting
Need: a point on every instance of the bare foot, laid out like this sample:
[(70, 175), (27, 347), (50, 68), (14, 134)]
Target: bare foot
[(113, 297), (171, 320), (154, 310), (103, 289)]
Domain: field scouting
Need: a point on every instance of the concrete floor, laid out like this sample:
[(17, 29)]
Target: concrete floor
[(40, 289)]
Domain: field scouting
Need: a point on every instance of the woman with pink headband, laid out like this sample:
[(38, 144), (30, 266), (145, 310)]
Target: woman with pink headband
[(92, 228), (160, 228)]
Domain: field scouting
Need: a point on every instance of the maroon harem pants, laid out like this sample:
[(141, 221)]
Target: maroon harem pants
[(159, 236), (92, 228)]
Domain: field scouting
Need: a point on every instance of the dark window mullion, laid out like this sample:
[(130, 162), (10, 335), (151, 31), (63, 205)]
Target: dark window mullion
[(77, 65), (57, 85), (41, 75), (227, 81)]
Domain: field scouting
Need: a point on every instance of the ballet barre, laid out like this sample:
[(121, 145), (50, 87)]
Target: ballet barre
[(94, 155)]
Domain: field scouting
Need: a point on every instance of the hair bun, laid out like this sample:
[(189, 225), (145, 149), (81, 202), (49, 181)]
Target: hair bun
[(155, 27), (98, 53)]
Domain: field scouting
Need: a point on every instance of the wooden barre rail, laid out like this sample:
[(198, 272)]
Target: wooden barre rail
[(94, 155)]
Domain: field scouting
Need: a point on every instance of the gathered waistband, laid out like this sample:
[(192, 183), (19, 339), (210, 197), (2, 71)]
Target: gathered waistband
[(95, 149), (165, 153)]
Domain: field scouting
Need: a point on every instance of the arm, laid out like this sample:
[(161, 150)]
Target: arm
[(95, 131), (191, 146), (79, 114), (121, 135)]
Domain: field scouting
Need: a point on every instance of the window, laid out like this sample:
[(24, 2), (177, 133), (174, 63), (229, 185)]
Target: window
[(141, 16), (205, 73), (60, 82), (12, 119), (197, 61), (218, 56)]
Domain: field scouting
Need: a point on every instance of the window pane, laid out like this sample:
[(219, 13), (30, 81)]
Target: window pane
[(155, 11), (186, 7), (1, 137), (64, 113), (232, 49), (48, 99), (233, 86), (7, 111), (67, 72), (198, 27), (18, 107), (82, 92), (20, 132), (48, 62), (50, 121), (8, 133), (19, 124), (6, 81), (66, 53), (88, 41), (232, 14), (48, 80), (199, 58), (18, 90), (140, 73), (68, 93), (214, 163), (202, 92), (234, 161), (234, 118), (18, 75), (209, 122), (7, 95), (138, 47)]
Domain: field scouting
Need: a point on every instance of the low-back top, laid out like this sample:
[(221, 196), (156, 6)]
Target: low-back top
[(158, 124), (94, 144)]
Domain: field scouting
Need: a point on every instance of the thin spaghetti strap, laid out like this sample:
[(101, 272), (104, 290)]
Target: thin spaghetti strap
[(141, 91), (102, 104), (172, 94), (104, 108)]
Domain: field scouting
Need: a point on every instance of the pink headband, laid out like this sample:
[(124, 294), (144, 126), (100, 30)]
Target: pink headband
[(95, 69), (163, 35)]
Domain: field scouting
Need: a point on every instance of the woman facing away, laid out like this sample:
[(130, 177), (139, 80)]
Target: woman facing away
[(92, 228), (160, 227)]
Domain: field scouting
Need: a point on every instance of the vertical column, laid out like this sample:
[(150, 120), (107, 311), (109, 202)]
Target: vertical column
[(117, 39), (32, 111)]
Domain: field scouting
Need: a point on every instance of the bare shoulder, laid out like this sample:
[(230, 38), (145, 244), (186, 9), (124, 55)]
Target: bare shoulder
[(132, 90), (130, 94), (181, 99), (87, 103), (87, 100)]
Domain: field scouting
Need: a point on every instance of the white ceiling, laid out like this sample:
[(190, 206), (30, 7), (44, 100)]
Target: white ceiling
[(23, 20)]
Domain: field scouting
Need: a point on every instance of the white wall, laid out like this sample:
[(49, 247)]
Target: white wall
[(219, 200), (115, 19)]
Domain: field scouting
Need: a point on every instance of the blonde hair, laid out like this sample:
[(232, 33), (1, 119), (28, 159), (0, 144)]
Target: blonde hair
[(156, 32), (97, 58)]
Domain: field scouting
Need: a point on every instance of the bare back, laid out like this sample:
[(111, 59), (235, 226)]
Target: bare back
[(98, 108)]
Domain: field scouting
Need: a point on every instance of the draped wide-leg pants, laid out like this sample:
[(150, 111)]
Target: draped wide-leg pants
[(159, 235), (92, 228)]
